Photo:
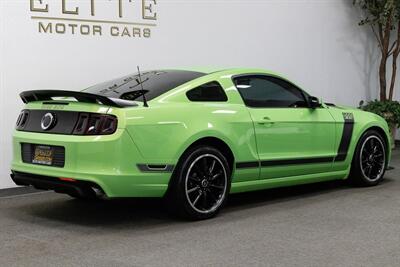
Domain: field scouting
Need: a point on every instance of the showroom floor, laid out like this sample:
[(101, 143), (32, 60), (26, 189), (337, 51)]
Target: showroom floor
[(327, 224)]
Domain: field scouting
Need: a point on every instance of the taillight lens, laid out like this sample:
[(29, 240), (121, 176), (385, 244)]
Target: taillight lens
[(22, 119), (95, 124)]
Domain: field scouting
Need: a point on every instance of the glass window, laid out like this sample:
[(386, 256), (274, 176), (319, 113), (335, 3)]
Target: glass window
[(155, 83), (272, 92), (210, 92)]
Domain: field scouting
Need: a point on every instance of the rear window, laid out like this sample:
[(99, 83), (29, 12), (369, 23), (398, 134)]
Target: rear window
[(209, 92), (155, 83)]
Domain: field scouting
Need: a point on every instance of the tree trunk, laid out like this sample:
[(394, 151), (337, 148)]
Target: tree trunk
[(385, 40), (393, 81), (396, 53), (382, 77)]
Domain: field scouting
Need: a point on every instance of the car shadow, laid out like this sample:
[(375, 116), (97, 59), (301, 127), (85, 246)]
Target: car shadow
[(150, 213)]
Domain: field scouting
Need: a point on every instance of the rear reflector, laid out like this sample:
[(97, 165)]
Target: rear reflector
[(67, 179)]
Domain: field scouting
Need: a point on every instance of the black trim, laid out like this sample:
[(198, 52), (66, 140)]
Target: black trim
[(46, 95), (269, 163), (346, 137), (56, 103), (283, 162), (247, 165), (155, 167), (75, 188)]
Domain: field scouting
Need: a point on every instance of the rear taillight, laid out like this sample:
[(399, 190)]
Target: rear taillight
[(22, 119), (95, 124)]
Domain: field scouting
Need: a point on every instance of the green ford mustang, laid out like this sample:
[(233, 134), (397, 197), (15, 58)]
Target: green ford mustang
[(192, 137)]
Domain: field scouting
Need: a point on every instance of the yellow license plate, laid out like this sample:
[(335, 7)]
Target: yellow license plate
[(43, 155)]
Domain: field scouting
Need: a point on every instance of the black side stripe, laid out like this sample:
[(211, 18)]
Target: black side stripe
[(247, 165), (346, 137), (341, 154), (269, 163), (279, 162)]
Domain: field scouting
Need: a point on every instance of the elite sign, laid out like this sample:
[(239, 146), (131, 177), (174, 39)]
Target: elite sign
[(115, 18)]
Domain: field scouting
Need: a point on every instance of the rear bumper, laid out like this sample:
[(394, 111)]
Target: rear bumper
[(109, 162), (73, 188)]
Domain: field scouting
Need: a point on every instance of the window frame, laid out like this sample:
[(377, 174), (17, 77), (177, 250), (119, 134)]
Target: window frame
[(208, 101), (262, 75)]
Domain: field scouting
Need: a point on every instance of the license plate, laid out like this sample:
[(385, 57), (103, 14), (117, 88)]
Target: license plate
[(43, 155)]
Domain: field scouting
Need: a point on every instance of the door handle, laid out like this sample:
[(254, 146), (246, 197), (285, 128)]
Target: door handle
[(266, 120)]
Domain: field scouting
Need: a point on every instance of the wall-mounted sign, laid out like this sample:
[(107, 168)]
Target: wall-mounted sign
[(115, 18)]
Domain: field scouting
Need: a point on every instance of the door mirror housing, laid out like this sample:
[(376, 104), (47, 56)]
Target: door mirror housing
[(314, 102)]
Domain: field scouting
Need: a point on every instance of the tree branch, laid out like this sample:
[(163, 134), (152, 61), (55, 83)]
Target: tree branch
[(392, 48), (377, 38)]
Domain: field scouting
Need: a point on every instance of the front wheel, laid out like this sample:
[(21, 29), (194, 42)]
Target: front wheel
[(200, 184), (369, 162)]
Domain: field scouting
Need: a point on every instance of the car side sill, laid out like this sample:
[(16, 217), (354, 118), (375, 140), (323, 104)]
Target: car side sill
[(238, 187)]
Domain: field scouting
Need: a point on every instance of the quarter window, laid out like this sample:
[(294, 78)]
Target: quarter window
[(270, 92), (209, 92)]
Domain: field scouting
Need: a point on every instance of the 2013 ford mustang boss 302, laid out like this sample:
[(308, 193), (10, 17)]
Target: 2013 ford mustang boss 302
[(192, 137)]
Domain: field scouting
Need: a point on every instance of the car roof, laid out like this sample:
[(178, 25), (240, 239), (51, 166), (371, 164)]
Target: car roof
[(226, 70)]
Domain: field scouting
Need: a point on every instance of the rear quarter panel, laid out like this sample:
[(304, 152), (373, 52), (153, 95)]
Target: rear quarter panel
[(172, 123)]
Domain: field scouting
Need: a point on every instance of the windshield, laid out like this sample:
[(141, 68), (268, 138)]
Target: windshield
[(155, 83)]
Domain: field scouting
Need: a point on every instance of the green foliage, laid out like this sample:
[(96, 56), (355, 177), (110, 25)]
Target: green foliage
[(379, 12), (389, 110)]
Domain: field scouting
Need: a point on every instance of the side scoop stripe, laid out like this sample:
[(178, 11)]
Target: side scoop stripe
[(345, 140)]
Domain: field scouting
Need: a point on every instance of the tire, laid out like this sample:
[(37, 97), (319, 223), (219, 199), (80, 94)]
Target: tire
[(370, 160), (200, 184)]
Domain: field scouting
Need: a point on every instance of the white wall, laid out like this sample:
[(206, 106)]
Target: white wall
[(316, 43)]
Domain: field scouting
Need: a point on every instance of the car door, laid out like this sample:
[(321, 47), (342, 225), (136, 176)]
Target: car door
[(292, 138)]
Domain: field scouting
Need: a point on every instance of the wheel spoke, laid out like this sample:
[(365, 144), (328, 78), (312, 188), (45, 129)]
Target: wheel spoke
[(371, 144), (216, 176), (205, 200), (210, 171), (211, 194), (194, 179), (369, 171), (193, 189), (197, 199), (217, 186), (205, 167)]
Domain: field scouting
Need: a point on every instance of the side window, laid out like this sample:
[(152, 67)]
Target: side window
[(270, 92), (209, 92)]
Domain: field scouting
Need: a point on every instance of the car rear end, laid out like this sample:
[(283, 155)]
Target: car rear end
[(80, 147)]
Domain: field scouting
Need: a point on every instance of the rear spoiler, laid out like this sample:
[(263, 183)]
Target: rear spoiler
[(46, 95)]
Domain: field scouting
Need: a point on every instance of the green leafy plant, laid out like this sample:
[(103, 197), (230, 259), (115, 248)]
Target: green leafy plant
[(389, 110), (383, 16)]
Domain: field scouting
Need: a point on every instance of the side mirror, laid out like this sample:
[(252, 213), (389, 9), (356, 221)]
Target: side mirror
[(314, 102)]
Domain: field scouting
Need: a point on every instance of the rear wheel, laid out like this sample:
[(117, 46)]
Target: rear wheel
[(200, 184), (369, 162)]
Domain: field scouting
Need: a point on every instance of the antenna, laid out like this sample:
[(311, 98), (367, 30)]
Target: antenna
[(143, 92)]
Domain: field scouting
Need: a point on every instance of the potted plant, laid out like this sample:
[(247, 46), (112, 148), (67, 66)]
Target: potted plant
[(389, 110), (383, 17)]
